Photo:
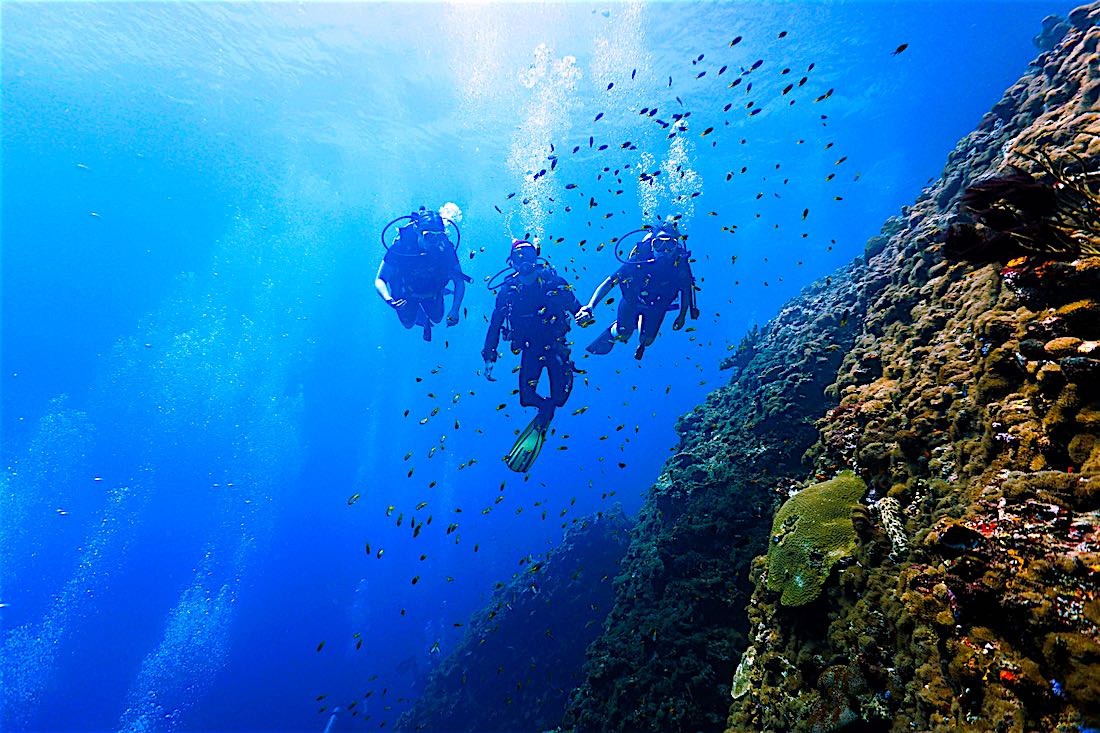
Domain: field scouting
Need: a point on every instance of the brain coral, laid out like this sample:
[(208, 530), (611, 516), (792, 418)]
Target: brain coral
[(811, 532)]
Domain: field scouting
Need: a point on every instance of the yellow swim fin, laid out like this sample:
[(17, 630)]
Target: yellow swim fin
[(527, 447)]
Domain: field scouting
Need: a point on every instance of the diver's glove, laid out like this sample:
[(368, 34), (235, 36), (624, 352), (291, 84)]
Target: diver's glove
[(396, 303), (679, 322), (452, 319), (490, 357)]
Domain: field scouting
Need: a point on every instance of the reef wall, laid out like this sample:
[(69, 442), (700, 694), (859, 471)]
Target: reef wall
[(678, 626), (521, 656), (965, 398), (970, 405)]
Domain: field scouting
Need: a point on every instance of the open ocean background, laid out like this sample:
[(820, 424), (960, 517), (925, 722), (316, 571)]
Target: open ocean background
[(197, 372)]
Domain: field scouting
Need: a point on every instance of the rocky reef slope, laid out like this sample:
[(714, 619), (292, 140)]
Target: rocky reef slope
[(970, 405), (964, 398), (678, 626), (522, 654)]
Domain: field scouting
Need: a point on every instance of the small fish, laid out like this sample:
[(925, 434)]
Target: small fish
[(609, 85), (598, 117), (416, 579), (352, 499), (423, 504), (782, 34), (633, 74), (706, 132), (722, 70), (378, 555), (735, 41), (900, 48), (321, 645)]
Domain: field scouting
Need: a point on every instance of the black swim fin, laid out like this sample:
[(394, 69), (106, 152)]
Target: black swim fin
[(603, 343), (527, 446)]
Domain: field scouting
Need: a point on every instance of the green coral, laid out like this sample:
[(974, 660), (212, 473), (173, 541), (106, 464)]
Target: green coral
[(811, 532)]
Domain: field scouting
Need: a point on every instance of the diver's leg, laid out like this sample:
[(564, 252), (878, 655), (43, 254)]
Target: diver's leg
[(530, 370), (626, 320), (433, 308), (560, 369), (407, 313), (652, 318)]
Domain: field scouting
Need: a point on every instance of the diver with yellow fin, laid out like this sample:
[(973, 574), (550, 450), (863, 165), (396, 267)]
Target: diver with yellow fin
[(534, 307), (656, 271)]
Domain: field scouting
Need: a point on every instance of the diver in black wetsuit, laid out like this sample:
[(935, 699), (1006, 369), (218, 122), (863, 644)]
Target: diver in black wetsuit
[(413, 276), (534, 308), (651, 278)]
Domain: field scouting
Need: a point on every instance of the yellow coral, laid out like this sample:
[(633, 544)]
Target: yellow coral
[(811, 532)]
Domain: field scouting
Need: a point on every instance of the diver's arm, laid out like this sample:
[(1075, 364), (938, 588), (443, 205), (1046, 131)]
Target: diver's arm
[(456, 305), (382, 285), (492, 338), (690, 288), (687, 299), (601, 292), (686, 303)]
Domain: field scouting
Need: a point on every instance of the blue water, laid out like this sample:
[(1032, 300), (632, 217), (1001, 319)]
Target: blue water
[(198, 375)]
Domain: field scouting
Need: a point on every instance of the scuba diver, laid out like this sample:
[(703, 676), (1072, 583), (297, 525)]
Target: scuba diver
[(533, 308), (418, 264), (656, 271)]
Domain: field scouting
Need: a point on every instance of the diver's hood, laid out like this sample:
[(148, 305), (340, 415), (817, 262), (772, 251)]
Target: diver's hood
[(429, 221), (665, 230)]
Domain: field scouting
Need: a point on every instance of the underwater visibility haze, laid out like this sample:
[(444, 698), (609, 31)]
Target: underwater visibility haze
[(238, 494)]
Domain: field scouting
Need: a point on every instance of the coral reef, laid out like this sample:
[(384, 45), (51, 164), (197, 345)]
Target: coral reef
[(969, 403), (812, 531), (529, 641), (678, 626)]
